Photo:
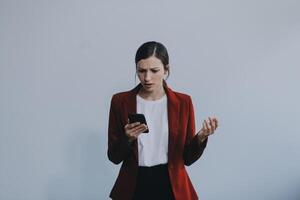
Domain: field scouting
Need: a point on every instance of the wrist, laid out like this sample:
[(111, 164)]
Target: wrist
[(201, 137)]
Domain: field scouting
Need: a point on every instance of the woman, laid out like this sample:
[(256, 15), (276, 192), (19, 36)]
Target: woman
[(153, 163)]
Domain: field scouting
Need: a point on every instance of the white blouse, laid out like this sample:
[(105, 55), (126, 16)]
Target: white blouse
[(153, 146)]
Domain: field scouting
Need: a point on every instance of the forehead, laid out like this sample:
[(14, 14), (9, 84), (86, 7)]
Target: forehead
[(150, 62)]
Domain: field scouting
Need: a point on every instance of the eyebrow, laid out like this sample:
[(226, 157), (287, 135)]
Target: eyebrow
[(150, 68)]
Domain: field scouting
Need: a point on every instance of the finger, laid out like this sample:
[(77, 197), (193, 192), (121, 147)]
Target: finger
[(131, 135), (210, 127), (212, 123), (138, 128), (205, 128), (207, 125), (132, 125), (137, 132), (216, 122), (140, 132), (127, 127), (134, 129)]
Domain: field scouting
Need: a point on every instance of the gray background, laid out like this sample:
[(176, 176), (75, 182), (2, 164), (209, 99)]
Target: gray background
[(61, 61)]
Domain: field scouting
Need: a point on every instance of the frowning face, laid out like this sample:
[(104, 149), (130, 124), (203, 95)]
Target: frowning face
[(151, 73)]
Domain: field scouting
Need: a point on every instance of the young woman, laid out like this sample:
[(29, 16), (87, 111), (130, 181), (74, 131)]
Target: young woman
[(153, 163)]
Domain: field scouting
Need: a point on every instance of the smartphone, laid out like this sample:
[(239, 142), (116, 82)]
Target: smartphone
[(138, 117)]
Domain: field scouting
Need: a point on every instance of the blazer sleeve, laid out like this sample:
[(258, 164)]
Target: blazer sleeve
[(118, 145), (193, 148)]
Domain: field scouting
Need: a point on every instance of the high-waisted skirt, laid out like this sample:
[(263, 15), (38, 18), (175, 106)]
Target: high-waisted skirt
[(153, 183)]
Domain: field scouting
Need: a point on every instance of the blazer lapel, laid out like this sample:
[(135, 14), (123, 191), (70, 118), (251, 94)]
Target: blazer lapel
[(130, 107), (173, 119)]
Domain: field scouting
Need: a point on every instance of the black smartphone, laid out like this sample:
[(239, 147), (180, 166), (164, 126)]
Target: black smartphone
[(138, 117)]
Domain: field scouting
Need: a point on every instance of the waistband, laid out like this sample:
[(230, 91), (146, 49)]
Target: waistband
[(154, 168)]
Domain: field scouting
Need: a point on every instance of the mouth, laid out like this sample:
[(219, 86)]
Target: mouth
[(148, 85)]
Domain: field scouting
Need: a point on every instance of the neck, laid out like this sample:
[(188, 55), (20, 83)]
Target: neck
[(153, 95)]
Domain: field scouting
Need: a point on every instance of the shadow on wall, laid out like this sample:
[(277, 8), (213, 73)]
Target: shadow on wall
[(85, 169)]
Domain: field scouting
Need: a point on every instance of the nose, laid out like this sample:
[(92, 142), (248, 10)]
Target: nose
[(147, 76)]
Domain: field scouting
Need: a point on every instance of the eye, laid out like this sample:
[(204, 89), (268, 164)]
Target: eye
[(154, 71)]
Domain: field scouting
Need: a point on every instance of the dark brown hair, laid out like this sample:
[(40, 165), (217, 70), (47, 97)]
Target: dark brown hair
[(153, 48)]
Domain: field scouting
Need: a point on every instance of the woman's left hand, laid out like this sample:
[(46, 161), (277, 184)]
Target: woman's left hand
[(209, 126)]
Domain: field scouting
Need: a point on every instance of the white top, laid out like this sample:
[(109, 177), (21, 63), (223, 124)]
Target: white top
[(153, 146)]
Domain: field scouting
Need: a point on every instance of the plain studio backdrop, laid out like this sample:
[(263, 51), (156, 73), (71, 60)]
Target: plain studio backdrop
[(61, 61)]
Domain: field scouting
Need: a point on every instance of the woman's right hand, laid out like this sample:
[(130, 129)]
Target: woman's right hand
[(133, 130)]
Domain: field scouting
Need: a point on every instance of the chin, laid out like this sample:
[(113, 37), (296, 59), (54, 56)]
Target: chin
[(148, 89)]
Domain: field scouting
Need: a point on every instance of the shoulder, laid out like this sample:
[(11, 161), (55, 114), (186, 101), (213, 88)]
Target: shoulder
[(182, 97), (120, 96)]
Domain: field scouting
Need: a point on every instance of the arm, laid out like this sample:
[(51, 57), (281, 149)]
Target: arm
[(194, 144), (118, 145)]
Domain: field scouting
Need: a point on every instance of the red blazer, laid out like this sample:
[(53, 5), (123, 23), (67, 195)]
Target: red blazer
[(184, 145)]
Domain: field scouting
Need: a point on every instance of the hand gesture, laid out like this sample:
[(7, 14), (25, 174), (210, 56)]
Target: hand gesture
[(133, 130), (208, 128)]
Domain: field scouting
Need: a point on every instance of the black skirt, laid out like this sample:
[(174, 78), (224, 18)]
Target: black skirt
[(153, 183)]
